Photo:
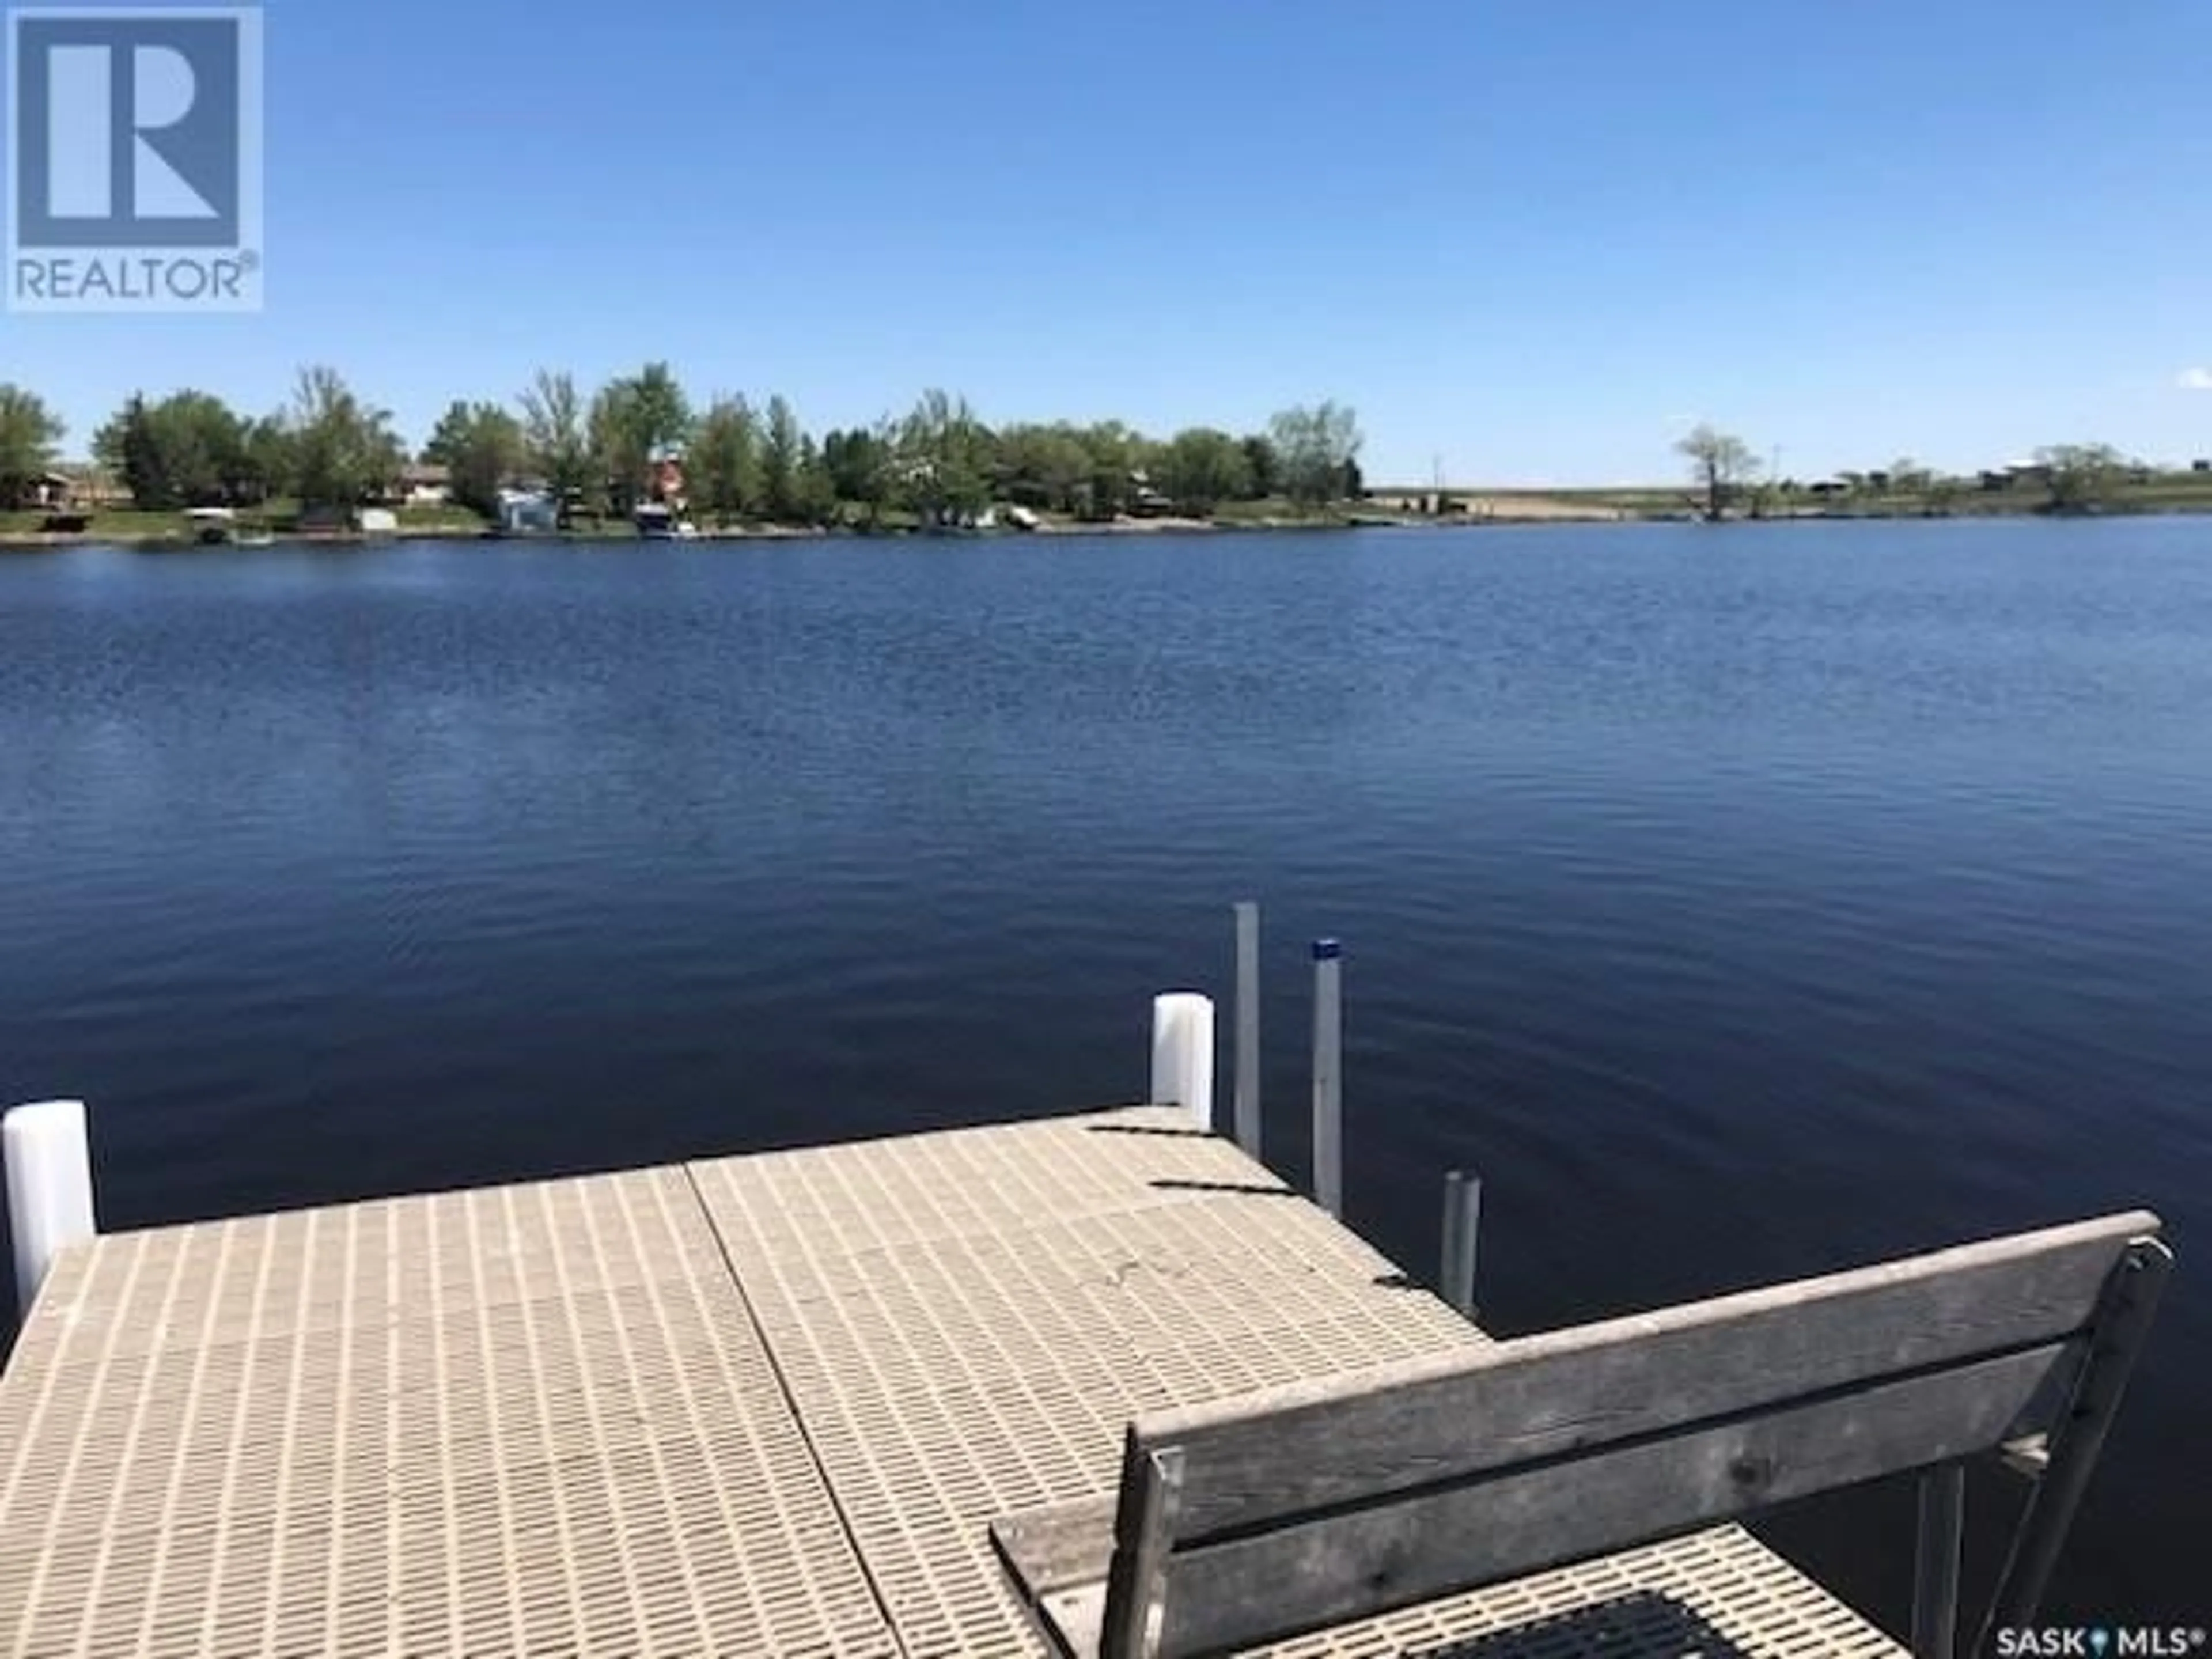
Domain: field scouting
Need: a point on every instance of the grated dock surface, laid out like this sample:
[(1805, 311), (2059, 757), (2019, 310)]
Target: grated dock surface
[(764, 1405), (525, 1420)]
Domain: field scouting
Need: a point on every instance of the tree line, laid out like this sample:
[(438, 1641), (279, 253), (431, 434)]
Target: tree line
[(601, 452), (1728, 475)]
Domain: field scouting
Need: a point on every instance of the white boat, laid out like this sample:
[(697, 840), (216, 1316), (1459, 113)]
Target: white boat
[(528, 512), (211, 526), (655, 522)]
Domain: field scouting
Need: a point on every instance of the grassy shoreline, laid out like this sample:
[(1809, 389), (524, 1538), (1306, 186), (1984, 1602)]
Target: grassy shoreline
[(163, 533)]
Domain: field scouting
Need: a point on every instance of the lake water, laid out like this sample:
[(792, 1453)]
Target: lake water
[(1742, 904)]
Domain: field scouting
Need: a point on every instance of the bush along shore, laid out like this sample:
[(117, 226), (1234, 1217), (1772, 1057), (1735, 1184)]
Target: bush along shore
[(329, 467)]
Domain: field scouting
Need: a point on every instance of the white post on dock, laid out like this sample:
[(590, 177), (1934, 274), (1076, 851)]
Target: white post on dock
[(1247, 1028), (49, 1163), (1182, 1053), (1463, 1236), (1328, 1076)]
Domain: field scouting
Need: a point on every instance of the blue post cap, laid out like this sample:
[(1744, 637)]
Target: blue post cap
[(1327, 950)]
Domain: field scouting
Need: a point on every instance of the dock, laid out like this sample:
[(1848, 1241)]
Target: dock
[(765, 1405)]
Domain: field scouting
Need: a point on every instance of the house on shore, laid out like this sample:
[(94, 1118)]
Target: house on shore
[(77, 490), (2014, 473), (666, 482), (1428, 503), (49, 492), (423, 484)]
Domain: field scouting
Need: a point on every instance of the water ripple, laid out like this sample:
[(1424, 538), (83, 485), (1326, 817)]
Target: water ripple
[(1741, 906)]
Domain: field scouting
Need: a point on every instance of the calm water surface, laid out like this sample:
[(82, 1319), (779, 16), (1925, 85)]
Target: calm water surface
[(1744, 904)]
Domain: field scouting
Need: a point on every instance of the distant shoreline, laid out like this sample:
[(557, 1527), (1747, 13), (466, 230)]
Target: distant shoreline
[(1500, 512)]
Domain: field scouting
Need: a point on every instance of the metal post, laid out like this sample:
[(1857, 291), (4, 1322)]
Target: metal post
[(1247, 1028), (1182, 1053), (49, 1188), (1936, 1573), (1454, 1212), (1463, 1237), (1473, 1234), (1328, 1076)]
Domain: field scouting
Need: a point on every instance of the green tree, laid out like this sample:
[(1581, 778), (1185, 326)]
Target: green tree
[(861, 465), (1263, 466), (484, 446), (1068, 467), (2083, 476), (783, 458), (620, 453), (725, 465), (203, 441), (556, 437), (943, 460), (188, 450), (634, 422), (447, 436), (1200, 468), (842, 460), (663, 409), (344, 452), (227, 435), (30, 435), (1314, 447), (1721, 464), (1014, 471), (1117, 452), (1045, 465), (817, 501), (126, 447), (268, 461)]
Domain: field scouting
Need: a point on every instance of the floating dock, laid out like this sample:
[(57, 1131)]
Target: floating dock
[(766, 1405)]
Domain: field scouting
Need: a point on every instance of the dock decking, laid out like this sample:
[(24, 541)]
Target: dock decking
[(765, 1405)]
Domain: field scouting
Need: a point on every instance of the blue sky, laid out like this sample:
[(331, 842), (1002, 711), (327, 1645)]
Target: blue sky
[(1536, 240)]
